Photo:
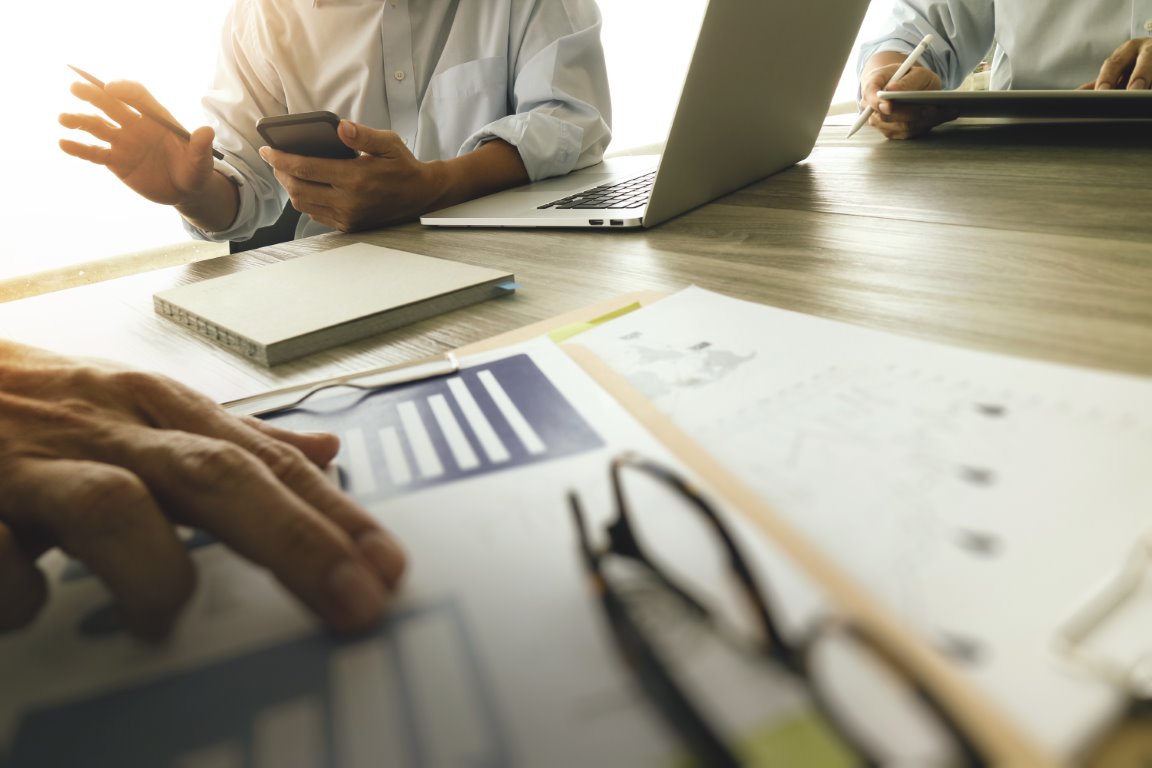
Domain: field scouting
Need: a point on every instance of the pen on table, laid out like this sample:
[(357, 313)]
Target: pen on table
[(289, 398), (175, 128), (909, 62)]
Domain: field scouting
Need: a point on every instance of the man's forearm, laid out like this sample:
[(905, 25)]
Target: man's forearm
[(491, 167)]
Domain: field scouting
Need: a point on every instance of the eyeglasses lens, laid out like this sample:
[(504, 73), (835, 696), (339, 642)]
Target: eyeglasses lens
[(877, 705)]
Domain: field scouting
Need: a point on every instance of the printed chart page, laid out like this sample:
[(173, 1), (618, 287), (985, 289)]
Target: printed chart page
[(496, 654), (984, 499)]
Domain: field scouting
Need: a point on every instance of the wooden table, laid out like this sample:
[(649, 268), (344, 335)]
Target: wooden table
[(1024, 239), (1028, 240)]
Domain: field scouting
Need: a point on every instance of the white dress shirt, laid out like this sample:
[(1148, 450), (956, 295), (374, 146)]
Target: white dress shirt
[(1039, 44), (446, 75)]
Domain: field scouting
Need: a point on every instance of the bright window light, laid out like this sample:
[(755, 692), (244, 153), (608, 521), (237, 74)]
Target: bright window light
[(63, 211)]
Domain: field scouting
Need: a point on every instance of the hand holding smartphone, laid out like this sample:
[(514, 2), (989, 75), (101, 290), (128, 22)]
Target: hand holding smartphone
[(306, 133)]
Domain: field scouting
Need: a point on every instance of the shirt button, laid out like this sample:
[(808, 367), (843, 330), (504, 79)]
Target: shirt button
[(398, 74), (1148, 25)]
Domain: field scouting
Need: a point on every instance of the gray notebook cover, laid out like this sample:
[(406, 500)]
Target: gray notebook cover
[(285, 310)]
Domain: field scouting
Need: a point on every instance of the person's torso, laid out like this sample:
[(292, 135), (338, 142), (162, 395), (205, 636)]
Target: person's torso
[(1043, 45), (434, 71)]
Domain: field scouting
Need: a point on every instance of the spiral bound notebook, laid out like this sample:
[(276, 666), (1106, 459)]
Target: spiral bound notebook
[(283, 311)]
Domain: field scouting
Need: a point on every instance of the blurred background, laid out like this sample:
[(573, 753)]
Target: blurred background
[(63, 213)]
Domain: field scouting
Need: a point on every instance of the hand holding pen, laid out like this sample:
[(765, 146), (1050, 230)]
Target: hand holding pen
[(149, 111), (144, 146), (910, 61)]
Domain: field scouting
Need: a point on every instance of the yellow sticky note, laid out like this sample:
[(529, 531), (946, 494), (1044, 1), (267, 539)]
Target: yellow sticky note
[(575, 329)]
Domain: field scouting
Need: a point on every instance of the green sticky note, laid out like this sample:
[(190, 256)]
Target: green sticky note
[(803, 740)]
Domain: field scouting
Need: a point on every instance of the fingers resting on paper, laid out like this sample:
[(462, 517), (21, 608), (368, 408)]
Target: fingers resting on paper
[(104, 463)]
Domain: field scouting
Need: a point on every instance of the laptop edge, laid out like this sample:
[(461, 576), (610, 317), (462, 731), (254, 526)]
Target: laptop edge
[(757, 90)]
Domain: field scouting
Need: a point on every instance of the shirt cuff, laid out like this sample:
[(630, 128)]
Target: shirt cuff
[(247, 202)]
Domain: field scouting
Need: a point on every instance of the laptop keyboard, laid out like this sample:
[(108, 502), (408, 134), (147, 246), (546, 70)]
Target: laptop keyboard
[(629, 193)]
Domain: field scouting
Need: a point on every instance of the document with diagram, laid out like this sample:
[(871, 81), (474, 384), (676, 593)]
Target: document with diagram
[(496, 654), (983, 499)]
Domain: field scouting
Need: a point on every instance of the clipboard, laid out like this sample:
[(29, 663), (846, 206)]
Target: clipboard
[(1123, 742), (1003, 741)]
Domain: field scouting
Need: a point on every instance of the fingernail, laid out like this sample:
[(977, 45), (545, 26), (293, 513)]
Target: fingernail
[(385, 554), (1138, 84), (348, 129), (361, 595), (1104, 87), (263, 153)]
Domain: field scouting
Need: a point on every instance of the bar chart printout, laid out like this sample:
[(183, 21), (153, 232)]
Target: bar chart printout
[(416, 692), (378, 700), (487, 418)]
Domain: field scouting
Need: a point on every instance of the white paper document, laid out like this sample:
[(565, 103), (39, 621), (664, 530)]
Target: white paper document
[(496, 654), (982, 498)]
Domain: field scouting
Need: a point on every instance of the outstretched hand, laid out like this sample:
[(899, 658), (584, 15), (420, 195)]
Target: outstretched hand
[(148, 157), (103, 462)]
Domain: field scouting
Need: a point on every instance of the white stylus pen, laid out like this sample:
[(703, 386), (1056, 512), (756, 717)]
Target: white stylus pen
[(909, 62)]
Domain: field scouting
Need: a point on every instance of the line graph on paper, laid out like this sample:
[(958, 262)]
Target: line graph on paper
[(487, 418), (978, 497)]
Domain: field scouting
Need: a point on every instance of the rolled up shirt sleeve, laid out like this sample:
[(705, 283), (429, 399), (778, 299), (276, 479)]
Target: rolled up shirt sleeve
[(1035, 44), (445, 76), (243, 91), (561, 106), (962, 30)]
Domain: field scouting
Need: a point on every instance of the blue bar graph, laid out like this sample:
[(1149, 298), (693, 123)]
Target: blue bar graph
[(486, 418), (380, 700)]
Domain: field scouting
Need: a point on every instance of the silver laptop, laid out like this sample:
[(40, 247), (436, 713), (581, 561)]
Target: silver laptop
[(756, 93)]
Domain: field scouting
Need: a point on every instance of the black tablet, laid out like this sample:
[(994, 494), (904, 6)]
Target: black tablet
[(1111, 105)]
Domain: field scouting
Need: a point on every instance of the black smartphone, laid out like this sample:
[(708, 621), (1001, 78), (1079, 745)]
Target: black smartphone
[(305, 133)]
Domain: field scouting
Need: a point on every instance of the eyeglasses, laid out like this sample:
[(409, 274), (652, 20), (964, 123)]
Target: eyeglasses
[(859, 687)]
